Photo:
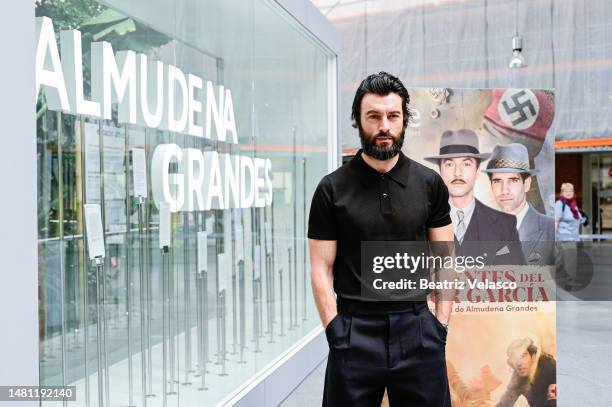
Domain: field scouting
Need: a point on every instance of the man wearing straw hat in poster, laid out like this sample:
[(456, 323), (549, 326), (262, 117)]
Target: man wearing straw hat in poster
[(511, 179), (473, 221)]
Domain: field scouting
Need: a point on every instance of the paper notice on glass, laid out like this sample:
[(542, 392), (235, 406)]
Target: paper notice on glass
[(239, 244), (91, 147), (202, 251), (268, 230), (164, 225), (222, 272), (139, 172), (95, 233), (257, 263)]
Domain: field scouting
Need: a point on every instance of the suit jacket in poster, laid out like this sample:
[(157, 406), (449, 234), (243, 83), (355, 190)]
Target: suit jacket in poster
[(537, 234), (497, 232)]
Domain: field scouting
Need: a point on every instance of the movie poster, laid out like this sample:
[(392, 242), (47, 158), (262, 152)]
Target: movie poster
[(501, 346)]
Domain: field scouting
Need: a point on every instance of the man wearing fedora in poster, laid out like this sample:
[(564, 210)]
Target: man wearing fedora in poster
[(473, 221), (511, 179)]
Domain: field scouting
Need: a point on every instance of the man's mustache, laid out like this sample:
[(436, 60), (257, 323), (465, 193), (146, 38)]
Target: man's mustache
[(384, 134), (458, 181)]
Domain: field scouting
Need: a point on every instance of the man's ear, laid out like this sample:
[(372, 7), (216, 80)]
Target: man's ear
[(527, 184)]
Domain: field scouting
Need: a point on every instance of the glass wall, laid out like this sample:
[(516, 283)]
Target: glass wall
[(146, 323)]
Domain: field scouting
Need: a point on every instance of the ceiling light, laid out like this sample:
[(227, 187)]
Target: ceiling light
[(517, 61)]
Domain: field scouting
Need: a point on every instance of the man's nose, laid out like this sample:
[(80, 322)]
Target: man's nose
[(385, 125), (505, 187), (458, 171)]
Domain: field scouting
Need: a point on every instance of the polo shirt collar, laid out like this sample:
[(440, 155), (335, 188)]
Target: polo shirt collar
[(399, 172)]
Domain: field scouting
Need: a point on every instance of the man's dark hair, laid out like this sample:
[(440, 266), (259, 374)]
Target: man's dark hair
[(524, 176), (381, 84)]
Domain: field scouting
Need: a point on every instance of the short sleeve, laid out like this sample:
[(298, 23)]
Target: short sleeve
[(439, 209), (322, 223)]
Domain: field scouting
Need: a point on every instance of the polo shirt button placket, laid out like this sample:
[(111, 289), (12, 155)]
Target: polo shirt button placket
[(385, 203)]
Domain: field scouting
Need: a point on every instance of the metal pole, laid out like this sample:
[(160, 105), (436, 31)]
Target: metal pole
[(271, 306), (105, 337), (202, 276), (164, 252), (257, 301), (85, 274), (175, 308), (218, 306), (149, 314), (289, 268), (234, 295), (199, 326), (294, 268), (242, 305), (86, 333), (98, 263), (143, 361), (187, 300), (172, 331), (63, 314), (267, 273), (205, 330), (282, 305), (304, 269), (273, 265), (223, 334), (128, 276), (61, 247)]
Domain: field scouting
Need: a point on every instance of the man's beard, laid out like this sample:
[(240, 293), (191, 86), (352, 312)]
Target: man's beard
[(384, 152)]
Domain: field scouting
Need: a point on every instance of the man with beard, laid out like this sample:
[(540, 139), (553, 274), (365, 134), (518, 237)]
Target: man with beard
[(380, 195), (473, 221)]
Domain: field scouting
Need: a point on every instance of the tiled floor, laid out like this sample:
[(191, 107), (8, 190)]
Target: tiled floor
[(310, 392), (584, 344), (584, 359)]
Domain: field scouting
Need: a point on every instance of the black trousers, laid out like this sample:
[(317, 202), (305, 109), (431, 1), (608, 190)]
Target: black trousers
[(403, 352)]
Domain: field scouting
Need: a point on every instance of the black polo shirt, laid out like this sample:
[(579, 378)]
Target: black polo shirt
[(356, 203)]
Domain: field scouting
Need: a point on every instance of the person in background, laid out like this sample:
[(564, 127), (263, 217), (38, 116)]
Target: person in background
[(568, 219)]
